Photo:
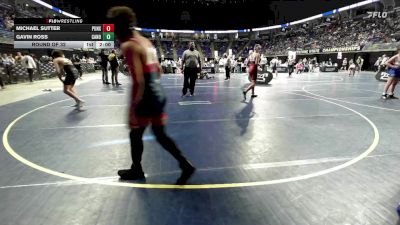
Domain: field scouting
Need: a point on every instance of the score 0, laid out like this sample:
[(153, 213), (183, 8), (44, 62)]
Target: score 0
[(108, 27)]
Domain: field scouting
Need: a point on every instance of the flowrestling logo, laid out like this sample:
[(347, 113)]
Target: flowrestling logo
[(379, 15)]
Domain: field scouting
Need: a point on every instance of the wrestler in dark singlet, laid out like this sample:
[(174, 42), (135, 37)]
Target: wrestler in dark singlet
[(65, 67)]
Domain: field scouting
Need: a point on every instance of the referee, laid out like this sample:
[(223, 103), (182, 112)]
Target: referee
[(191, 65)]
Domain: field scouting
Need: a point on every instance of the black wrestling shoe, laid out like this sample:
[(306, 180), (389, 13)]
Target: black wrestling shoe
[(131, 175), (385, 96), (187, 172), (392, 97), (254, 96)]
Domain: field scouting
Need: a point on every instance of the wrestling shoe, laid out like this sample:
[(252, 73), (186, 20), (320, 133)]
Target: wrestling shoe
[(131, 175), (80, 105), (187, 172)]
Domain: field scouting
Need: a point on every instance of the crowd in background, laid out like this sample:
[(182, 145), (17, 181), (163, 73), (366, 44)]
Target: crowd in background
[(236, 64), (343, 32), (336, 34), (7, 16), (339, 32), (31, 62), (8, 61)]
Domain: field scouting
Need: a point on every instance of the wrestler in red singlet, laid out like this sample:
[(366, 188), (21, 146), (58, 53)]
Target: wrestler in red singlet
[(253, 67), (147, 98), (150, 108), (253, 62)]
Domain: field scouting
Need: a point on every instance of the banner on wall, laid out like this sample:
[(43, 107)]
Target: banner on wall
[(329, 50), (314, 51), (342, 49), (302, 51)]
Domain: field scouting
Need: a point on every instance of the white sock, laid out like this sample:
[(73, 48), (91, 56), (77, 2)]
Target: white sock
[(391, 93), (384, 93)]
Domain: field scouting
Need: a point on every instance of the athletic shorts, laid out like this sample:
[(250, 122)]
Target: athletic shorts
[(135, 122), (69, 80), (394, 73)]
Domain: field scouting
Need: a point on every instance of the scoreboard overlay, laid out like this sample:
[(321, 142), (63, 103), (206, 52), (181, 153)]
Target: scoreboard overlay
[(62, 34)]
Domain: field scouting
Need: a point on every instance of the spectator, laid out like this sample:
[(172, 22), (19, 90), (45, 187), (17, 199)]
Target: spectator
[(378, 63), (299, 67), (1, 83), (104, 65), (18, 57), (291, 65), (37, 67), (352, 67), (344, 64), (112, 58), (76, 60), (7, 64), (360, 62), (227, 67), (274, 65), (29, 64)]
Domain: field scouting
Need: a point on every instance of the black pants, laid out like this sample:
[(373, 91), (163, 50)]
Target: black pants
[(114, 75), (136, 137), (30, 74), (1, 82), (190, 77), (104, 74), (228, 72), (9, 78), (290, 68)]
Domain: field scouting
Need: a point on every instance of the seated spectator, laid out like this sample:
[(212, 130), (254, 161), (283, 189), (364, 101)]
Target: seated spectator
[(299, 67), (18, 57)]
